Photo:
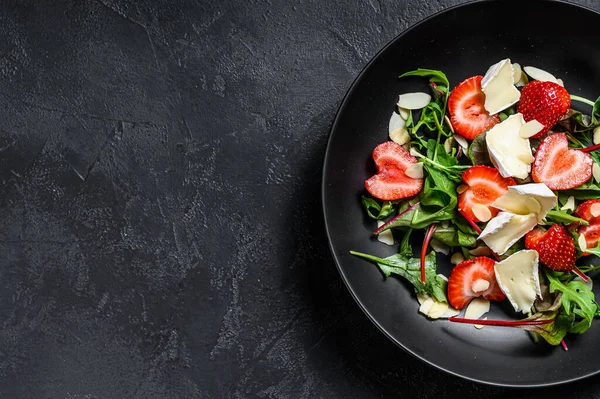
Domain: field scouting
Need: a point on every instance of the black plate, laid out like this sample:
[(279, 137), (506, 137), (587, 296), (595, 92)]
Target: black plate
[(462, 41)]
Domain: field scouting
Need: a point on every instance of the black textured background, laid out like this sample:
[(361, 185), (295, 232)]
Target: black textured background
[(160, 166)]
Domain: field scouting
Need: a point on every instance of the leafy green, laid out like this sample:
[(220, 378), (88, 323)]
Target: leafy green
[(577, 299), (454, 237), (594, 251), (586, 191), (405, 247), (375, 210), (478, 152), (410, 269), (564, 217)]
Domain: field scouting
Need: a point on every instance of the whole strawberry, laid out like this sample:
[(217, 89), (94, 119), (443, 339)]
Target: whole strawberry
[(546, 102), (555, 247)]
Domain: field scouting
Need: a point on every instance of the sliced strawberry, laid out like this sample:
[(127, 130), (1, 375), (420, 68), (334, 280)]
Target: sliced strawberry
[(465, 277), (546, 102), (485, 185), (555, 247), (592, 231), (559, 167), (390, 183), (467, 113)]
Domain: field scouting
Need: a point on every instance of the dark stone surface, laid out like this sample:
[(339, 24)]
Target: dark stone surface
[(160, 192)]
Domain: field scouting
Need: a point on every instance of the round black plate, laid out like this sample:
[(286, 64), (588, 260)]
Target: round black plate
[(462, 42)]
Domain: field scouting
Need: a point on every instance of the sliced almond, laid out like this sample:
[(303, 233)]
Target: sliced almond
[(413, 151), (569, 205), (482, 212), (426, 306), (526, 158), (414, 100), (439, 247), (386, 236), (477, 308), (404, 113), (456, 258), (415, 171), (448, 144), (597, 135), (595, 210), (449, 123), (396, 122), (480, 251), (479, 326), (445, 224), (480, 285), (400, 136), (596, 172), (422, 297), (517, 71), (461, 141), (539, 74), (530, 129), (437, 310), (560, 82), (462, 188), (582, 243)]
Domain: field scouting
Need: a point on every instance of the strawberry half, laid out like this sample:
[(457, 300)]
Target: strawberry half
[(467, 113), (473, 278), (555, 247), (559, 167), (546, 102), (485, 185), (391, 183), (592, 231)]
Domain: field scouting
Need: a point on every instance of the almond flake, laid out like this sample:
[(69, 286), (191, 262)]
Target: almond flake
[(539, 74), (479, 326), (456, 258), (461, 141), (595, 210), (597, 135), (462, 188), (396, 122), (596, 172), (400, 135), (404, 113), (415, 171), (439, 247), (414, 100), (582, 242), (449, 123), (386, 236), (480, 251), (560, 82), (482, 212), (569, 205), (517, 71), (415, 153), (530, 129), (448, 144)]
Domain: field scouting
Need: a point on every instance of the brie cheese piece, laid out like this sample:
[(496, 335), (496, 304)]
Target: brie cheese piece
[(498, 87), (527, 198), (509, 152), (518, 278), (505, 229)]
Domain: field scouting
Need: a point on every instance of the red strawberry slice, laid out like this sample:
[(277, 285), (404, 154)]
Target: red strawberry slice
[(485, 185), (559, 167), (465, 277), (467, 113), (390, 183), (592, 231), (546, 102), (555, 247)]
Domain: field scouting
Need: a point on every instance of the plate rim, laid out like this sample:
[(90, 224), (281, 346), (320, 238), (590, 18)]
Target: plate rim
[(343, 105)]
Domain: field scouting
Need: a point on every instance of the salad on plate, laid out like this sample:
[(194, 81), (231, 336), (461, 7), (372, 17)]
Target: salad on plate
[(501, 175)]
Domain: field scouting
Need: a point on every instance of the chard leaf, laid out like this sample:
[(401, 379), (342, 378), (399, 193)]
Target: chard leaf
[(436, 76), (375, 210), (410, 269), (586, 191), (577, 299), (478, 152)]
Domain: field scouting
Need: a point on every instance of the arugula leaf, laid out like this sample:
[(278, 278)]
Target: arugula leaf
[(555, 216), (376, 211), (453, 237), (478, 152), (410, 269), (586, 191), (436, 76), (577, 299), (405, 247)]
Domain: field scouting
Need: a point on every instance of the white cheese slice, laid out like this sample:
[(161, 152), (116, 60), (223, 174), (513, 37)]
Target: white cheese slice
[(509, 152), (498, 87), (527, 198), (505, 229), (385, 237), (518, 278), (396, 122), (413, 100)]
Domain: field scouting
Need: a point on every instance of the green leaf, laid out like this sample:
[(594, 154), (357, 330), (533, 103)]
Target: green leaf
[(410, 269), (478, 152), (376, 211), (577, 299), (453, 237), (405, 247), (586, 191), (554, 216), (436, 76)]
